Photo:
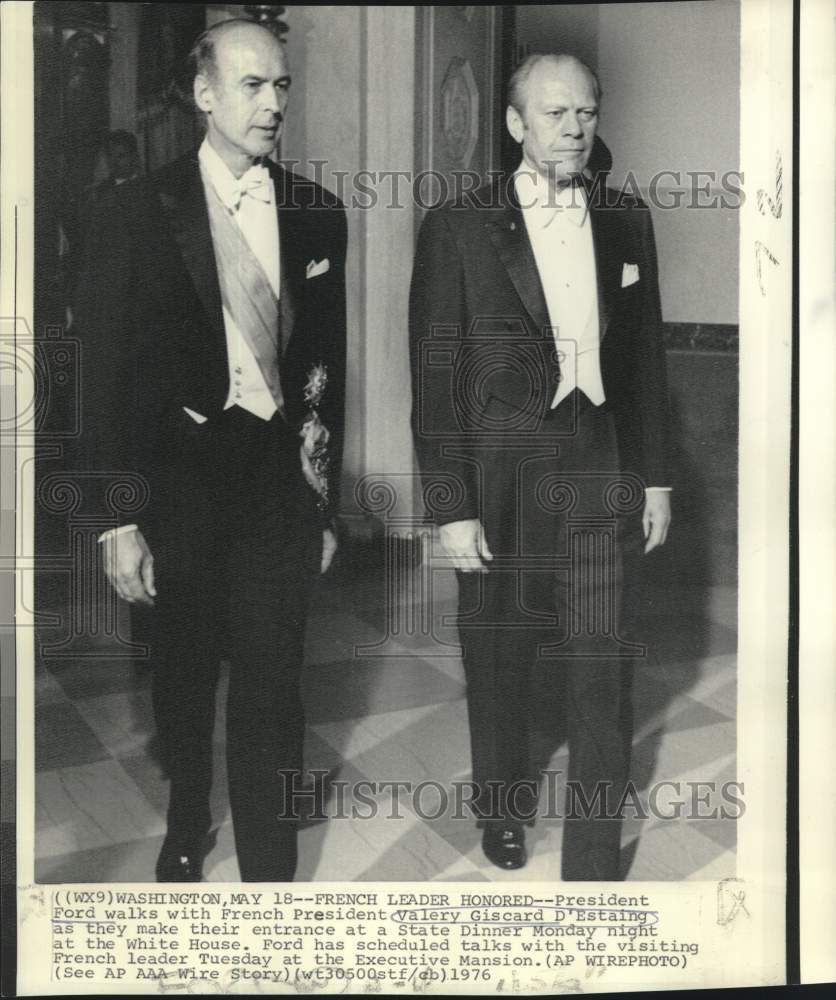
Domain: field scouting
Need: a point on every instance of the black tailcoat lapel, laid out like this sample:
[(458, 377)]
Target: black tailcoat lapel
[(184, 203), (509, 236), (608, 241)]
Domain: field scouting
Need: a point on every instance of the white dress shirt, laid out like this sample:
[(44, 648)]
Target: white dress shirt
[(561, 237), (251, 200), (560, 232)]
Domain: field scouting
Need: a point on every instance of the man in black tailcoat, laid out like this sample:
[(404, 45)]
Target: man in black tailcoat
[(212, 315), (540, 421)]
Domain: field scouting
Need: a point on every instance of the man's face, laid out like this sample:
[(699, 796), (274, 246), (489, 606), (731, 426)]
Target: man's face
[(558, 126), (246, 97)]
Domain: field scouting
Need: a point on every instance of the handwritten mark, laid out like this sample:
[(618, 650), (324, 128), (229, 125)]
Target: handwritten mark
[(531, 917), (776, 206), (568, 985), (776, 209), (731, 898), (761, 251)]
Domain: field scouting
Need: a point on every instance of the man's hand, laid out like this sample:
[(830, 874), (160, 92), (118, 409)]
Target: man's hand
[(465, 544), (129, 566), (656, 518), (329, 547)]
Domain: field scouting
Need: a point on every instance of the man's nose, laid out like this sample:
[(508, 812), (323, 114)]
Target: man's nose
[(572, 125), (271, 101)]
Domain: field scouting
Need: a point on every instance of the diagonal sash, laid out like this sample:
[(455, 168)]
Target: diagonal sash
[(246, 292)]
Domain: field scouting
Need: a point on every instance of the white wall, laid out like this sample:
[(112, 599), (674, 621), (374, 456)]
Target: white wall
[(352, 105), (670, 76), (670, 73)]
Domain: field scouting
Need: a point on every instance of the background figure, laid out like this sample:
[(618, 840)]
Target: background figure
[(547, 439), (212, 314), (121, 156)]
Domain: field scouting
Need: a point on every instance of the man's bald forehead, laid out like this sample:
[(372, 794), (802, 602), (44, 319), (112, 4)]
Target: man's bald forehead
[(237, 30), (225, 34)]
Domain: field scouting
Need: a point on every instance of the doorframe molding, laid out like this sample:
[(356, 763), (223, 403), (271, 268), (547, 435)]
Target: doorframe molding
[(425, 98)]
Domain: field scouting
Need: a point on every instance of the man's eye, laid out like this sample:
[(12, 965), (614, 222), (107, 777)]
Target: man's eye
[(588, 115)]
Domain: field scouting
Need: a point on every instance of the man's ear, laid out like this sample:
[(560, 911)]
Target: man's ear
[(203, 93), (515, 124)]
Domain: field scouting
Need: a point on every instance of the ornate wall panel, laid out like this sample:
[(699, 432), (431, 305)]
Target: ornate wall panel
[(458, 114)]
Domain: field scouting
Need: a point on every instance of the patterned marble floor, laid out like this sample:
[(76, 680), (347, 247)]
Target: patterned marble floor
[(384, 700)]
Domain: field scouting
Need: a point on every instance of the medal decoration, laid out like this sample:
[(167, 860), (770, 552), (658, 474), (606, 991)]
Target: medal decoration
[(315, 435)]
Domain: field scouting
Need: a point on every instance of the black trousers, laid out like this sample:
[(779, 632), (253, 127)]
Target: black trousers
[(560, 520), (237, 546)]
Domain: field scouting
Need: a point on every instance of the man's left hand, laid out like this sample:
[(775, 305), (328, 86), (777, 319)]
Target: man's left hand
[(656, 518), (329, 547)]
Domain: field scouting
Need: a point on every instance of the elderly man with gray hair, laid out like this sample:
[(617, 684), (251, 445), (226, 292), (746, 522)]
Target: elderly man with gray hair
[(546, 443)]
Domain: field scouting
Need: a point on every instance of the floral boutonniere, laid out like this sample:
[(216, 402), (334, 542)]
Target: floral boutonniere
[(314, 434)]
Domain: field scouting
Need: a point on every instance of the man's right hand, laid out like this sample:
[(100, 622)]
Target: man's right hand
[(129, 566), (465, 544)]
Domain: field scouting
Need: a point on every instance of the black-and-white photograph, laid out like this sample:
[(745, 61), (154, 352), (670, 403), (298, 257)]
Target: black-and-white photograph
[(386, 482)]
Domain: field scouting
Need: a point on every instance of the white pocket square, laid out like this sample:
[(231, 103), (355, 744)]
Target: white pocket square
[(315, 268), (197, 417), (629, 275)]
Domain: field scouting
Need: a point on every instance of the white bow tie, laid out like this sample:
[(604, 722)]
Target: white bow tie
[(568, 205), (255, 183)]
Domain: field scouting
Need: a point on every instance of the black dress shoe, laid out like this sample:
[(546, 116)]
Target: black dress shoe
[(504, 844), (179, 863)]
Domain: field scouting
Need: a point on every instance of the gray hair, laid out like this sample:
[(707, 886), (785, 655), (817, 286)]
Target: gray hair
[(518, 83)]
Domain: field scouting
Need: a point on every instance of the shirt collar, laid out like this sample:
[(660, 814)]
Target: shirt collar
[(544, 204), (225, 183)]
